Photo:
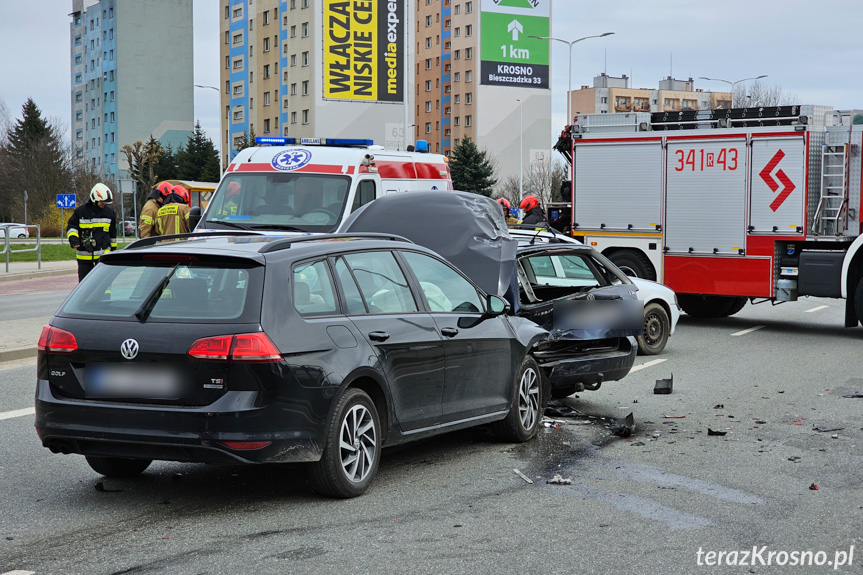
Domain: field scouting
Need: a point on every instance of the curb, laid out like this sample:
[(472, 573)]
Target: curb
[(35, 274), (14, 353)]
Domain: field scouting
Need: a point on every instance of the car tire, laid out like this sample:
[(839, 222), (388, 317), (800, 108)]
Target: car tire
[(347, 471), (858, 301), (706, 306), (736, 306), (22, 235), (522, 421), (117, 466), (656, 329), (633, 263)]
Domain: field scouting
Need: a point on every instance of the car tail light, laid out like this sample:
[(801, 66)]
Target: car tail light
[(241, 347), (245, 445), (55, 340)]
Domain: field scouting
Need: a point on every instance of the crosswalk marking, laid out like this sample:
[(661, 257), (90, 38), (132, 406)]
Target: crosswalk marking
[(10, 415), (647, 364), (745, 331)]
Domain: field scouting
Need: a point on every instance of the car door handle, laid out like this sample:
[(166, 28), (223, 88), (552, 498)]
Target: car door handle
[(379, 336), (449, 332)]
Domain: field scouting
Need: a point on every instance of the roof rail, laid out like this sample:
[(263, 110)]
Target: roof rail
[(144, 242), (285, 243)]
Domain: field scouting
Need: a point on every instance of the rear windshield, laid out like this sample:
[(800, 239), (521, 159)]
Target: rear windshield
[(168, 292)]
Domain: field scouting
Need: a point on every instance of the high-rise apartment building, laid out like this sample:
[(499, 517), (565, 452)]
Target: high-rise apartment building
[(313, 68), (447, 70), (132, 77)]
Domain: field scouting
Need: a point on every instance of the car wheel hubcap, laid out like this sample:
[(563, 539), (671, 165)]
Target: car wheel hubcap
[(652, 329), (528, 399), (358, 443)]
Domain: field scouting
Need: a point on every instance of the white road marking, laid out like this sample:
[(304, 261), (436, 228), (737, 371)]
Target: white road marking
[(750, 330), (816, 308), (18, 572), (647, 364), (10, 415)]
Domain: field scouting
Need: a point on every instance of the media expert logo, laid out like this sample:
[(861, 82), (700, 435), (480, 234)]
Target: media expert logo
[(290, 160), (781, 176), (517, 3), (364, 50)]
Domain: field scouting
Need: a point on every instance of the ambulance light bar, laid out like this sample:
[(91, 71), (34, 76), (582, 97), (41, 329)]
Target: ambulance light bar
[(315, 141)]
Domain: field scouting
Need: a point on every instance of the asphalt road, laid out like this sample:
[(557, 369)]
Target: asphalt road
[(34, 298), (643, 504)]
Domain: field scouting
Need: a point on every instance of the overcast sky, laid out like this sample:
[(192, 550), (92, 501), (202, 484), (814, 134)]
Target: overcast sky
[(811, 50)]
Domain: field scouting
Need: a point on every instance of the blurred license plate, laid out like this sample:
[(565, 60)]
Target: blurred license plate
[(133, 380)]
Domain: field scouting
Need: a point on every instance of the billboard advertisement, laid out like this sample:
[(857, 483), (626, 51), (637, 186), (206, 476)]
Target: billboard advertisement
[(509, 56), (364, 50)]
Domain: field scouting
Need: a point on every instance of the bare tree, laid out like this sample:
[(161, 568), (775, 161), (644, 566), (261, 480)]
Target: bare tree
[(141, 161), (758, 94), (542, 179)]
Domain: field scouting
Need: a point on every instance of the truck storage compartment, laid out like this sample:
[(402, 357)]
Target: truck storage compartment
[(820, 273)]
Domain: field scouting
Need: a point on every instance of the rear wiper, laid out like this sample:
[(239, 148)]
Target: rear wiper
[(150, 301), (282, 227)]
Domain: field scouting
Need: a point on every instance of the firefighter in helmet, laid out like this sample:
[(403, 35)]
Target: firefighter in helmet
[(173, 217), (533, 214), (92, 229), (150, 210), (507, 210), (232, 199)]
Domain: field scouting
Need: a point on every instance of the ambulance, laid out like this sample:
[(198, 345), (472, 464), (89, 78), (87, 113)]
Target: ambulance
[(311, 185)]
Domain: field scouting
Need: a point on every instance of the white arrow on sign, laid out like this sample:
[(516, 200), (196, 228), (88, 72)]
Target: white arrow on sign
[(515, 27)]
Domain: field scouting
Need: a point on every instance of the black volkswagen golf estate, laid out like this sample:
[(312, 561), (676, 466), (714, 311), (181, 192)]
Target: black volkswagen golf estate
[(234, 347)]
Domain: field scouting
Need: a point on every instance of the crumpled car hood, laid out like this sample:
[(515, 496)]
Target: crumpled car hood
[(475, 240)]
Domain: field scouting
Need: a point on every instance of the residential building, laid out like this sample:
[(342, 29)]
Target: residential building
[(611, 94), (132, 78)]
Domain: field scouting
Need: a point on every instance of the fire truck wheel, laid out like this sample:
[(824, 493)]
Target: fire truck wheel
[(698, 305), (633, 263), (656, 328), (736, 306), (858, 301)]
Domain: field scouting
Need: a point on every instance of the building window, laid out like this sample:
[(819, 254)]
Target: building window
[(468, 120), (468, 76), (238, 64), (428, 63), (266, 98), (238, 38), (428, 85), (227, 37), (457, 99), (238, 90), (227, 62), (457, 121), (79, 97), (468, 53), (266, 45), (293, 4), (458, 8), (238, 115), (294, 89), (468, 30), (305, 58), (266, 17), (251, 24), (266, 71), (79, 115), (468, 7), (428, 106), (251, 77), (293, 31), (251, 103), (428, 127), (305, 87), (305, 3), (305, 114), (305, 29), (457, 32), (266, 125), (457, 77), (428, 42), (293, 59), (447, 111), (238, 12), (458, 54), (468, 98), (456, 142), (603, 100), (293, 117)]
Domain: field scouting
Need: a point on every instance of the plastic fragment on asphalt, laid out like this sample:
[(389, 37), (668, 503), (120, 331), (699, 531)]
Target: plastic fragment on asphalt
[(522, 475), (835, 436), (623, 427), (673, 416), (719, 406), (711, 432), (555, 423), (854, 395), (813, 487), (794, 459), (663, 386), (559, 480), (824, 428)]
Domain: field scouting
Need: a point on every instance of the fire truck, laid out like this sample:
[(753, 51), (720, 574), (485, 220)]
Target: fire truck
[(723, 206)]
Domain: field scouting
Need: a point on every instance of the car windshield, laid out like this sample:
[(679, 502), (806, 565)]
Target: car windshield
[(302, 202), (170, 291)]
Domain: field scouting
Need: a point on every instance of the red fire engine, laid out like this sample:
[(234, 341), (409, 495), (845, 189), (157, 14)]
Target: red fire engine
[(723, 206)]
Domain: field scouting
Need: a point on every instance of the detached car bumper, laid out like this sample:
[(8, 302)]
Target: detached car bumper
[(606, 361), (225, 431)]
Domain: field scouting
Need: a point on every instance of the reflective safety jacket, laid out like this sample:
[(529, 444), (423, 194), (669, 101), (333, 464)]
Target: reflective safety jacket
[(92, 231), (172, 219), (149, 212)]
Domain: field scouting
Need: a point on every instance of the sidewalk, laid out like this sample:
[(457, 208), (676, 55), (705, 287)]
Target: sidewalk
[(18, 337)]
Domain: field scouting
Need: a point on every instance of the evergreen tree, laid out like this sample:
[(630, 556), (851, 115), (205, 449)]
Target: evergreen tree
[(166, 166), (472, 170), (247, 140), (198, 160), (32, 159)]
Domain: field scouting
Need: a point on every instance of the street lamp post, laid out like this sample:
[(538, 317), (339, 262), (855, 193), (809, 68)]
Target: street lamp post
[(220, 115), (570, 43), (520, 151), (732, 84)]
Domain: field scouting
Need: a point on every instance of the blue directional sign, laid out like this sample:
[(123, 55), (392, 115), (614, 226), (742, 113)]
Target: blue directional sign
[(66, 201)]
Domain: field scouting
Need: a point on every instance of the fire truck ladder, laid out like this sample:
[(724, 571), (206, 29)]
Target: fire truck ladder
[(832, 207)]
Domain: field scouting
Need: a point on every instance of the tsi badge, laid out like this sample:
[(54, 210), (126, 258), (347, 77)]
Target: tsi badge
[(129, 349), (291, 159)]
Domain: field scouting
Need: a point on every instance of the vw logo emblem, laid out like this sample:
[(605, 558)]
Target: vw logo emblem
[(129, 349), (291, 160)]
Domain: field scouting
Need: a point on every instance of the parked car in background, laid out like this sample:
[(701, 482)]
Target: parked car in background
[(661, 309), (15, 231), (130, 227), (236, 347)]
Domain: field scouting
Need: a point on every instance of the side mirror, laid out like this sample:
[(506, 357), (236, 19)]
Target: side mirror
[(194, 217), (497, 305)]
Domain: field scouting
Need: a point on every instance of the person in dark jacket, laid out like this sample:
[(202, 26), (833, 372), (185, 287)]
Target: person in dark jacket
[(92, 229), (533, 214)]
